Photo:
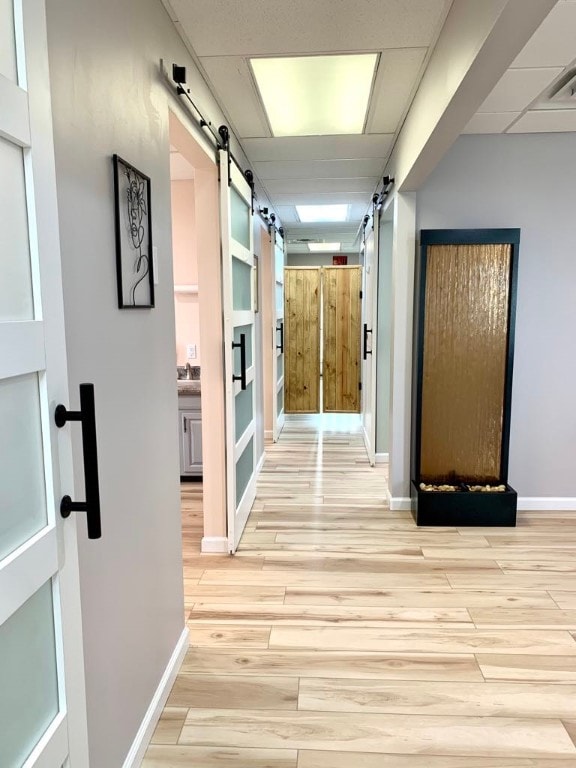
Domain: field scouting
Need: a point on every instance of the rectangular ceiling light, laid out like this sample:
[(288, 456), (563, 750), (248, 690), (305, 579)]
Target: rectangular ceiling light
[(322, 247), (308, 213), (315, 95)]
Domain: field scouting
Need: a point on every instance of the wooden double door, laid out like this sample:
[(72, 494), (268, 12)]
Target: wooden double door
[(322, 344)]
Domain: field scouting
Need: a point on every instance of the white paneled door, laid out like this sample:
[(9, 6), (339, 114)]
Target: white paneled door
[(42, 699), (369, 336), (278, 319), (238, 286)]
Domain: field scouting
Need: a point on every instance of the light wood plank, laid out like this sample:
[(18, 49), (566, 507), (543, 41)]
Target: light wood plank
[(566, 600), (420, 641), (311, 759), (310, 578), (228, 636), (502, 553), (340, 664), (294, 615), (210, 593), (219, 757), (437, 598), (353, 732), (527, 618), (507, 581), (169, 726), (524, 700), (230, 691), (527, 667)]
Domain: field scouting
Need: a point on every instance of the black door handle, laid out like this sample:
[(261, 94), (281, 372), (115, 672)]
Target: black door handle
[(280, 330), (242, 346), (366, 350), (86, 415)]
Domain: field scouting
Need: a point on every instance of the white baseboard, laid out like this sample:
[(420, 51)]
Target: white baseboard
[(382, 458), (546, 504), (140, 743), (213, 544), (269, 435), (399, 503), (260, 463)]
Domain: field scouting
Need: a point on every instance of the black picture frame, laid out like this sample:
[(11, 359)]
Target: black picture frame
[(133, 227)]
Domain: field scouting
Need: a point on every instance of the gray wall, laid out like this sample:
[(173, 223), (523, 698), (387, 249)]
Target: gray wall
[(107, 97), (316, 259), (383, 360), (526, 181)]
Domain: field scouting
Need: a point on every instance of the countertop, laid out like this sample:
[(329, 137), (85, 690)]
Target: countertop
[(189, 387)]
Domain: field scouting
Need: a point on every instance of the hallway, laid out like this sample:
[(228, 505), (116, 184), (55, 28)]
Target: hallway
[(340, 635)]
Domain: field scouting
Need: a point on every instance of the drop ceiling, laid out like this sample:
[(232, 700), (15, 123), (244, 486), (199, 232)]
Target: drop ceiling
[(520, 102), (223, 37)]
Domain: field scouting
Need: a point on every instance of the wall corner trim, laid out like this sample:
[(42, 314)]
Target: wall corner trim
[(546, 504), (382, 458), (148, 724), (214, 544), (400, 504)]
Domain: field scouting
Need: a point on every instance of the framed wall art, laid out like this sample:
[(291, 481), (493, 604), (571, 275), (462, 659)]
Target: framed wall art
[(133, 222)]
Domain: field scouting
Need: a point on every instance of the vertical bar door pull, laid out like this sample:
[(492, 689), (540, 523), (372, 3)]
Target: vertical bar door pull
[(87, 416), (242, 346), (280, 330), (366, 350)]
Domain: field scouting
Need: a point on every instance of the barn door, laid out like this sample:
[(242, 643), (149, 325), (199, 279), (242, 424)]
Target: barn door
[(42, 694), (236, 232), (302, 339), (341, 336), (369, 337)]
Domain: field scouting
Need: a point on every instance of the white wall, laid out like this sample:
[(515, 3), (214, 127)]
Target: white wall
[(526, 181), (384, 336), (316, 260), (185, 266), (108, 97)]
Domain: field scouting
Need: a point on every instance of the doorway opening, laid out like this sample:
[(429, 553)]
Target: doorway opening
[(323, 340), (198, 337)]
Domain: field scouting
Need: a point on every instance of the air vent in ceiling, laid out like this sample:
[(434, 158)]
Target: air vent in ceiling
[(564, 91)]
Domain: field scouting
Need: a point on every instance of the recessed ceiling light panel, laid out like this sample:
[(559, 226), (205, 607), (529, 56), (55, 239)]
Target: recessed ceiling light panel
[(315, 95), (323, 247), (308, 213)]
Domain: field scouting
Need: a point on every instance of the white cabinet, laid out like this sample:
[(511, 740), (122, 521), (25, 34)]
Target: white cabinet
[(190, 413)]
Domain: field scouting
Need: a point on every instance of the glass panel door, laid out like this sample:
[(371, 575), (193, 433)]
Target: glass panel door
[(278, 356), (369, 331), (238, 304), (40, 625)]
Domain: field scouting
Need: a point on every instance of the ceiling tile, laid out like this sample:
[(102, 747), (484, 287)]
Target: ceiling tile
[(354, 199), (315, 169), (546, 121), (318, 147), (233, 84), (487, 122), (518, 88), (346, 187), (554, 42), (395, 82), (277, 27)]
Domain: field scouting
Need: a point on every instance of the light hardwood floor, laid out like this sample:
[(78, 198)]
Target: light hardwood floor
[(343, 636)]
